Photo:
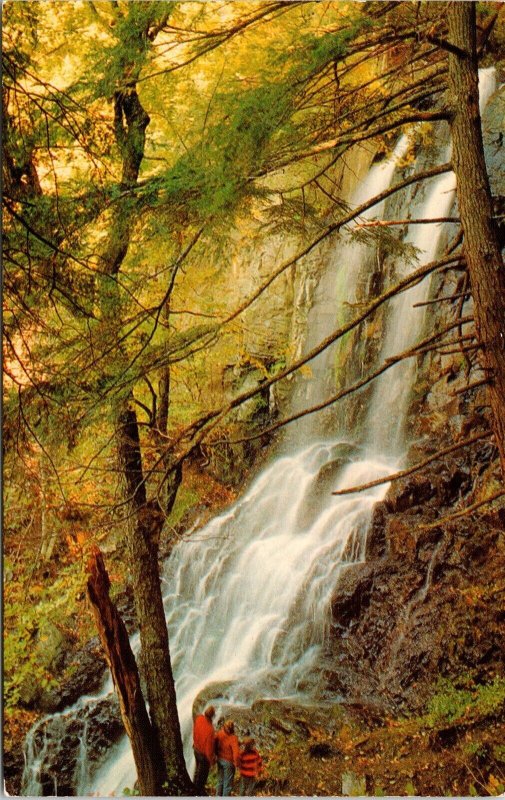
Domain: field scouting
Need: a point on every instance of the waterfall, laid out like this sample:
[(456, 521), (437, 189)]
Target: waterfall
[(392, 390), (248, 595)]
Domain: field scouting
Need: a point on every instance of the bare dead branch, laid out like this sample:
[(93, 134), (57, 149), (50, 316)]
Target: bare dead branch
[(464, 512), (442, 299), (470, 386), (396, 476), (387, 223)]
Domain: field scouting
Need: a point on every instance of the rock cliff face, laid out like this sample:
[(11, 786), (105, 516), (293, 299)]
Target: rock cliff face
[(428, 602), (274, 330)]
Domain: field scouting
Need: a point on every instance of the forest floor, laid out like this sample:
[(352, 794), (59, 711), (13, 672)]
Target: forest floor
[(346, 749)]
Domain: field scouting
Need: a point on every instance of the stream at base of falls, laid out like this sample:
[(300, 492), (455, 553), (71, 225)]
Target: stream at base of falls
[(248, 596)]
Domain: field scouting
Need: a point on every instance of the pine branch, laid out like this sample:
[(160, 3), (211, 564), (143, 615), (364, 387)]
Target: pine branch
[(464, 512), (344, 220), (390, 362), (404, 473)]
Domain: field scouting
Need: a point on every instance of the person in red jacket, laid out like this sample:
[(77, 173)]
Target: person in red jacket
[(250, 765), (227, 758), (204, 748)]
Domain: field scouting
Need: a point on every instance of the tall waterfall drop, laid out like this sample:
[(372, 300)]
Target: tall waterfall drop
[(248, 596)]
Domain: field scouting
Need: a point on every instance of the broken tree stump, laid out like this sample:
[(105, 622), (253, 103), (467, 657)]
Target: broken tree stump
[(115, 641)]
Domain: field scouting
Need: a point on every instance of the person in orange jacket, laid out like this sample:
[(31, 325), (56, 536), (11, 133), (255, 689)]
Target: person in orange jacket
[(227, 752), (204, 737), (250, 765)]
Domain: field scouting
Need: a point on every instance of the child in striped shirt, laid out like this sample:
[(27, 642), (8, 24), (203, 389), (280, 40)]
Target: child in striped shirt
[(250, 765)]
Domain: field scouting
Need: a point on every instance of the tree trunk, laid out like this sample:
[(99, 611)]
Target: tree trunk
[(144, 518), (482, 249), (144, 527), (115, 642), (164, 384)]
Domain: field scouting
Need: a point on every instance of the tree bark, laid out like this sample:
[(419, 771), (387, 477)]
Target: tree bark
[(120, 658), (481, 243), (145, 520)]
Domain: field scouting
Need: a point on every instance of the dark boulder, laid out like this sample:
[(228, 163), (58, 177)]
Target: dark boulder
[(352, 597), (85, 669), (415, 491)]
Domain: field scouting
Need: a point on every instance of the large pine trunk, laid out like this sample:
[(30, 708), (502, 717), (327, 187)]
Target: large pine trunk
[(482, 249)]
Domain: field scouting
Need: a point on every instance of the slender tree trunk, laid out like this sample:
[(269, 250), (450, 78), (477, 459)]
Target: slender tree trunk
[(164, 385), (482, 249), (45, 550), (143, 531), (114, 637), (145, 519)]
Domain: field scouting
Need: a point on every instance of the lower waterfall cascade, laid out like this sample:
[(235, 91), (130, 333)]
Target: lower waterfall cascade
[(248, 595)]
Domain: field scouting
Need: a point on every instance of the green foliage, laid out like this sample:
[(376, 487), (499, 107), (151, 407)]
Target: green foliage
[(31, 618), (254, 128), (474, 749), (19, 35), (317, 51), (499, 752), (211, 178), (127, 792), (451, 703), (123, 62), (186, 499), (278, 766)]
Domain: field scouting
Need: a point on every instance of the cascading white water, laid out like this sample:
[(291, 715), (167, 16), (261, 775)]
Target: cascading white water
[(388, 410), (250, 593), (248, 596), (337, 292)]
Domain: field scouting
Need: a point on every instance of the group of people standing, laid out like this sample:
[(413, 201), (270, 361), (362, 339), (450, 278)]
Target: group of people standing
[(222, 748)]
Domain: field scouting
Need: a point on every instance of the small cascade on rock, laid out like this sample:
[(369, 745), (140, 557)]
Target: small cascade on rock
[(350, 263), (62, 748), (415, 601), (249, 595)]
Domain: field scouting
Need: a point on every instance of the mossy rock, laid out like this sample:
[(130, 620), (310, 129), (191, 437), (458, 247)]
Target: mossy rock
[(51, 648)]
